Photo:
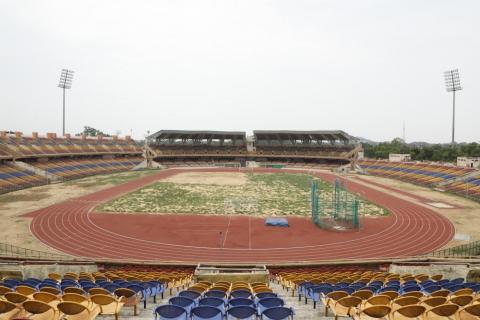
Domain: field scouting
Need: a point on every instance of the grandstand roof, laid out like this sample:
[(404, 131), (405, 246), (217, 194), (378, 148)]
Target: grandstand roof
[(313, 135), (198, 134)]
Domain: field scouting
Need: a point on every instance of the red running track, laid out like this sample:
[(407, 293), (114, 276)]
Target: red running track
[(73, 227)]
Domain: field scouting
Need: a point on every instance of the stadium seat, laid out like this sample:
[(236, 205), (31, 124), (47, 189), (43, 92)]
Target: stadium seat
[(431, 302), (184, 302), (277, 313), (241, 302), (242, 312), (206, 313), (8, 310), (37, 310), (442, 312), (380, 312), (109, 305), (130, 298), (266, 303), (470, 312), (170, 312), (213, 302), (414, 312)]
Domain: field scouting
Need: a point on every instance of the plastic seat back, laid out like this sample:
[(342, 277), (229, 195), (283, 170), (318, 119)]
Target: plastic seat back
[(25, 290), (212, 302), (375, 312), (266, 303), (442, 311), (38, 308), (44, 297), (183, 302), (242, 312), (241, 302), (74, 290), (277, 313), (190, 294), (215, 294), (8, 309), (471, 312), (240, 294), (408, 312), (405, 301), (171, 312), (433, 302), (15, 297), (95, 291), (363, 294), (262, 295), (206, 313), (461, 301)]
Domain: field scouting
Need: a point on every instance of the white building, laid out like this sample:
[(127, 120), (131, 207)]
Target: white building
[(468, 162), (399, 157)]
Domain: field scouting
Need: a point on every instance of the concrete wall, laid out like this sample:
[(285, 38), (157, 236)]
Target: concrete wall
[(449, 271), (41, 271)]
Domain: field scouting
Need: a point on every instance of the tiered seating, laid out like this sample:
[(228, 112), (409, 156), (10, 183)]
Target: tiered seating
[(49, 154), (469, 187), (4, 154), (237, 300), (14, 178), (26, 147), (83, 295), (77, 168), (419, 173), (381, 295)]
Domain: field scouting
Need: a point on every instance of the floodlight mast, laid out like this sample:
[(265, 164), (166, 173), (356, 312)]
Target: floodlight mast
[(66, 78), (452, 84)]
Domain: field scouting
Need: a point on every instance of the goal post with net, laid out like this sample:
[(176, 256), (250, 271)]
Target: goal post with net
[(333, 207)]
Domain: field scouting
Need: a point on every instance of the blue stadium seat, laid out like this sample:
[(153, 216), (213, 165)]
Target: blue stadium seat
[(213, 302), (183, 302), (277, 313), (240, 294), (266, 303), (170, 312), (194, 295), (206, 313), (242, 312), (241, 302)]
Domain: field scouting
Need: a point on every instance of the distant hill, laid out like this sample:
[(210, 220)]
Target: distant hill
[(364, 140)]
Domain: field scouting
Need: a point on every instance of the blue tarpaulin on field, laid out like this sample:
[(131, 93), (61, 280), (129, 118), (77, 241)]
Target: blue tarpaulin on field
[(276, 222)]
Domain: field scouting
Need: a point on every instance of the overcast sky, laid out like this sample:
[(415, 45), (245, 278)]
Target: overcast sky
[(359, 66)]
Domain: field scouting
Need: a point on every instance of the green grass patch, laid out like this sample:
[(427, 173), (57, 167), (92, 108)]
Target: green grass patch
[(280, 194)]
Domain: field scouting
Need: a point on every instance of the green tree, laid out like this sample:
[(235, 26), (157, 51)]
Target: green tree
[(92, 132), (435, 152)]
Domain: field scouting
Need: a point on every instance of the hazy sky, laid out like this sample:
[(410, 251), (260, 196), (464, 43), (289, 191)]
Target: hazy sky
[(359, 66)]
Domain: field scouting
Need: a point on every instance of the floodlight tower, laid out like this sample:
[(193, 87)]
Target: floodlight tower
[(452, 83), (66, 78)]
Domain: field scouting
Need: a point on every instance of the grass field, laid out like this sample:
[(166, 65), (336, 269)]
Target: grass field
[(254, 194)]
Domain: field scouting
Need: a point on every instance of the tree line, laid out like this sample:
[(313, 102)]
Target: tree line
[(422, 152)]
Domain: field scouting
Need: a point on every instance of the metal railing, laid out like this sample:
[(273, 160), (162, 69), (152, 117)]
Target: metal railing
[(12, 251), (471, 249)]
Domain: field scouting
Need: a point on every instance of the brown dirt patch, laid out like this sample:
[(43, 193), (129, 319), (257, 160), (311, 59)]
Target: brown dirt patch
[(216, 178)]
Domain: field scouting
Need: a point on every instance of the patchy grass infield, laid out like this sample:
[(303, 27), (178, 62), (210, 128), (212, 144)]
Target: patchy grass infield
[(279, 194)]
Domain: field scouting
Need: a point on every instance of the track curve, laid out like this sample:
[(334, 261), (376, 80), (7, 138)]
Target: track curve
[(74, 228)]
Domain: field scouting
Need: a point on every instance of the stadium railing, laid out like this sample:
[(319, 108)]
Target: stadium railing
[(471, 249), (12, 251)]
